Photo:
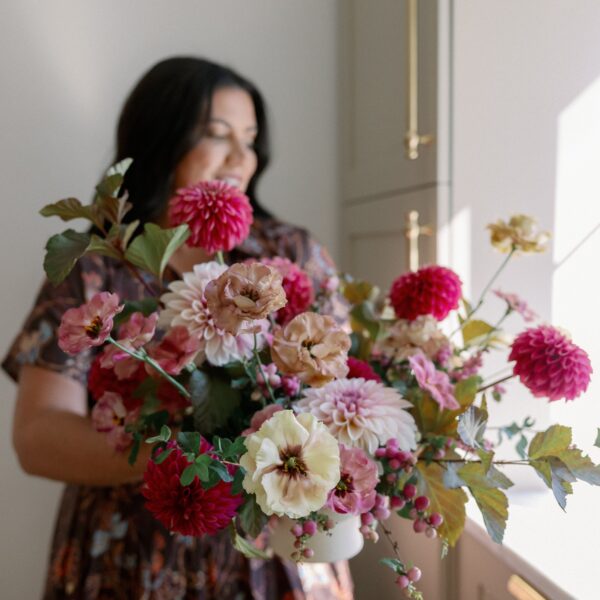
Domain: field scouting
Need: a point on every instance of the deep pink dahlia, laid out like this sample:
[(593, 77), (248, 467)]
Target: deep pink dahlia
[(360, 368), (550, 364), (431, 290), (189, 510), (297, 286), (218, 215)]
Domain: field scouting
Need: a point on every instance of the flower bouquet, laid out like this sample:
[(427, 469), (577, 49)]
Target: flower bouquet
[(266, 412)]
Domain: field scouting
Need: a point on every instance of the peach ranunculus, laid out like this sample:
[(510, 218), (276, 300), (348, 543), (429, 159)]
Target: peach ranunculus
[(521, 233), (245, 292), (313, 347), (292, 464)]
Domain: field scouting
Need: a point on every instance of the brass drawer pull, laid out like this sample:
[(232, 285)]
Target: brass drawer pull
[(521, 590)]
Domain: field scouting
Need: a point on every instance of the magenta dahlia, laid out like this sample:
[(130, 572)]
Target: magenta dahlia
[(549, 364), (218, 215), (431, 290), (191, 509), (297, 286), (360, 368)]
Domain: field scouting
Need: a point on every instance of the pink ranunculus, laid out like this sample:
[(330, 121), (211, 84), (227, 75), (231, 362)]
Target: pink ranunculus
[(355, 493), (110, 416), (176, 350), (88, 325), (259, 417), (297, 286), (435, 383), (432, 290), (518, 305), (218, 215), (361, 368), (138, 330), (550, 364)]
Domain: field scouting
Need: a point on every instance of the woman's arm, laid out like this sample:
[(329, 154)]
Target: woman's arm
[(54, 438)]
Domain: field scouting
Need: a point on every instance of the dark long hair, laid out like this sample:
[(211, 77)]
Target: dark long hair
[(164, 117)]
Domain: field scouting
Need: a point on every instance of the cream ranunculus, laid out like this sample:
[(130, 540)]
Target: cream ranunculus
[(313, 347), (292, 464), (243, 293), (521, 233)]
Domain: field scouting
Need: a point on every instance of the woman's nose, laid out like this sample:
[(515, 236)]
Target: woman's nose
[(239, 152)]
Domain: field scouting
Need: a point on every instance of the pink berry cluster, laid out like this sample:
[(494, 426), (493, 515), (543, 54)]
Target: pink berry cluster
[(395, 460), (404, 580), (304, 529), (288, 384), (417, 510), (379, 512)]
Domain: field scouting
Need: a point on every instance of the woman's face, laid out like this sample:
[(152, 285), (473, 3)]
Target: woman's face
[(226, 150)]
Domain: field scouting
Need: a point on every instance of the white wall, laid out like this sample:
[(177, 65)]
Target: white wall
[(66, 67)]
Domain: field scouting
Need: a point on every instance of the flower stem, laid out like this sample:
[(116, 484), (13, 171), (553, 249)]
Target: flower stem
[(489, 385), (259, 364), (145, 358), (220, 258)]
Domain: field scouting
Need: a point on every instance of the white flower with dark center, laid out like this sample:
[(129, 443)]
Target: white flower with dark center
[(292, 464), (186, 305), (362, 414)]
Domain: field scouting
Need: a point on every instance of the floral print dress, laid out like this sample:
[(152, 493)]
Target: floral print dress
[(106, 544)]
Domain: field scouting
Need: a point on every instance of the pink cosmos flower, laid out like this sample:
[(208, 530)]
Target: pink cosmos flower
[(176, 350), (355, 493), (218, 215), (110, 416), (259, 417), (297, 286), (360, 368), (435, 383), (88, 325), (550, 364), (432, 290), (518, 305)]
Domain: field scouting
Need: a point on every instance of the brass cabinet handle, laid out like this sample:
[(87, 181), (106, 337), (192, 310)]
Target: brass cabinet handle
[(521, 590), (412, 138), (412, 232)]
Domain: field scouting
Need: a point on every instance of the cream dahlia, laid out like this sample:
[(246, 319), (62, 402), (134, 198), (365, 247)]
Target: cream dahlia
[(185, 304), (291, 464), (521, 233), (550, 364), (218, 215), (362, 414)]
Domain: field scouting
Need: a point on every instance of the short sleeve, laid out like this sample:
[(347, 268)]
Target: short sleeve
[(37, 342)]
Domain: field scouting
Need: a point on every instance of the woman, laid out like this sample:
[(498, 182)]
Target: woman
[(187, 120)]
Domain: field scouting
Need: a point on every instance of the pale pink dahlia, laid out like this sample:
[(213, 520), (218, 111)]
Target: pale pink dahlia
[(355, 492), (432, 290), (435, 383), (185, 304), (360, 413), (218, 215), (297, 286), (517, 304), (89, 324), (550, 364)]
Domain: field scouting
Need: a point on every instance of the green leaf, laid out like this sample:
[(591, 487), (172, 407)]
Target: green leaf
[(486, 459), (475, 475), (163, 436), (213, 399), (550, 442), (188, 475), (252, 518), (493, 505), (189, 441), (476, 330), (102, 246), (450, 503), (135, 449), (161, 457), (113, 209), (112, 181), (364, 320), (521, 447), (359, 291), (63, 250), (580, 465), (201, 465), (221, 470), (394, 564), (237, 484), (244, 546), (71, 208), (153, 249), (466, 390), (127, 231)]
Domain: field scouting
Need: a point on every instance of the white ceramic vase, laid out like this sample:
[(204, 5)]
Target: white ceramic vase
[(343, 542)]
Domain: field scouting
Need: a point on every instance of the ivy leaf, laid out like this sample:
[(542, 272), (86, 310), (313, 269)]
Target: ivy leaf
[(471, 426), (152, 250), (71, 208), (450, 503), (63, 250), (252, 518), (213, 399), (244, 546), (493, 505)]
